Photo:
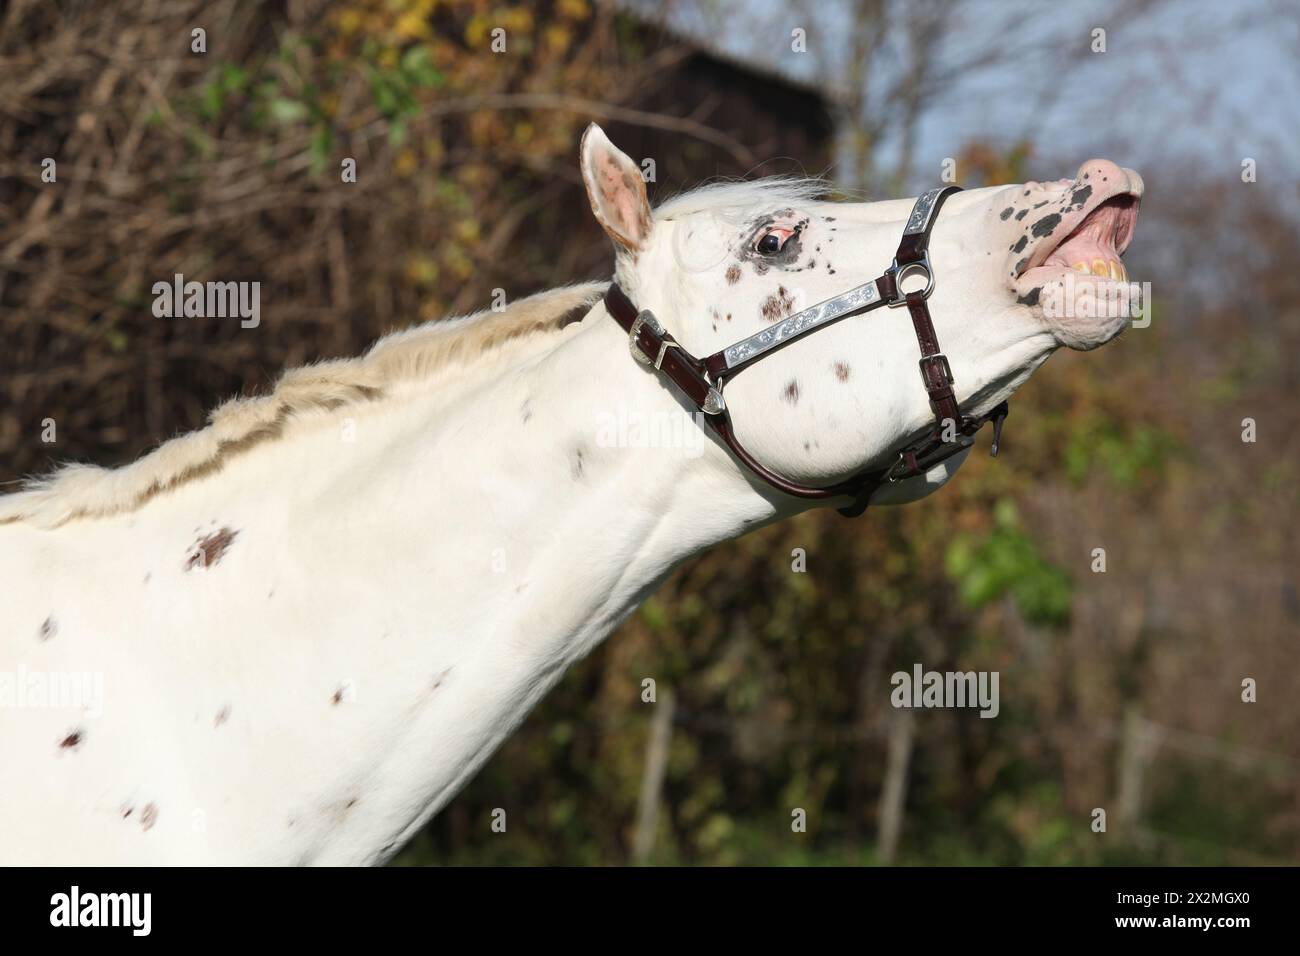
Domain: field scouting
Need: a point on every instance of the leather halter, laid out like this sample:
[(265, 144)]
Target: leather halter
[(702, 380)]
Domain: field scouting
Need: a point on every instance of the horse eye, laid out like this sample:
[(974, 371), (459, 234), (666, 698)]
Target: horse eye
[(770, 244)]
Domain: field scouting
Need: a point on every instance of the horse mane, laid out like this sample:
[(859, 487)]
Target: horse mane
[(740, 198), (412, 355)]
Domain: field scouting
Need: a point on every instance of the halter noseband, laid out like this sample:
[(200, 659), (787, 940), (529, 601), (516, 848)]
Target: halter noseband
[(702, 380)]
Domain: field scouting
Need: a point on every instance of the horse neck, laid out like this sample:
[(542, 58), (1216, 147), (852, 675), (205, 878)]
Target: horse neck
[(554, 525), (583, 468), (526, 530)]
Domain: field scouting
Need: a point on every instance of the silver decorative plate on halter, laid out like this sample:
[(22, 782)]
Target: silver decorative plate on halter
[(799, 323), (922, 211)]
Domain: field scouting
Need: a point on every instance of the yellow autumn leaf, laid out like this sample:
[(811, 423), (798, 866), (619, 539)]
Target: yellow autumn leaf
[(558, 37), (459, 264), (421, 270), (349, 21), (477, 30), (412, 26), (518, 19)]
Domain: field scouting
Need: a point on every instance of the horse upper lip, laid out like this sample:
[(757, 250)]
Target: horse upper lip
[(1051, 223)]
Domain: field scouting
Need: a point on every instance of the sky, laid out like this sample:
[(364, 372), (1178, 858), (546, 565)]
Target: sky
[(1192, 83)]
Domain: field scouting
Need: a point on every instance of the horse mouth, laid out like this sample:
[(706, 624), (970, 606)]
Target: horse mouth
[(1093, 248)]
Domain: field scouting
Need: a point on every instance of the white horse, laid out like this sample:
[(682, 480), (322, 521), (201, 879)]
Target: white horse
[(293, 635)]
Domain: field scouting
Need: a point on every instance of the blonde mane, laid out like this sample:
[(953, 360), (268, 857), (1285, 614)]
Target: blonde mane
[(416, 354)]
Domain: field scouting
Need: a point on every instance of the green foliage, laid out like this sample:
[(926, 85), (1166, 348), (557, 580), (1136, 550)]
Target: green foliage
[(1127, 454), (394, 89), (231, 80), (1005, 560), (294, 88)]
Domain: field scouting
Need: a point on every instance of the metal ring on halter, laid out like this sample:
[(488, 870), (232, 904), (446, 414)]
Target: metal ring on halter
[(920, 267)]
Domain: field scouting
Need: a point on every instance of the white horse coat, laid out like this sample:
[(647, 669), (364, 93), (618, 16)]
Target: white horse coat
[(292, 636)]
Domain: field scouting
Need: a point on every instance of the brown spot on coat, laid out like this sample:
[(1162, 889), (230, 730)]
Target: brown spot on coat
[(338, 810), (223, 715), (791, 393), (48, 629), (71, 742), (778, 305), (209, 549), (842, 371), (338, 697), (149, 816), (733, 275)]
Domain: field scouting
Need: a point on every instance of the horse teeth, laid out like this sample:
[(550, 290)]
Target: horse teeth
[(1117, 271), (1099, 269), (1081, 267)]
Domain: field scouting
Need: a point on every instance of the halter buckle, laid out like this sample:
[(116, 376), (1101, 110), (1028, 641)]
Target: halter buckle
[(907, 270), (647, 319), (942, 360)]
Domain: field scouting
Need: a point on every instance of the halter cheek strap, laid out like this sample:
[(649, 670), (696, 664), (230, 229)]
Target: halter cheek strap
[(702, 380)]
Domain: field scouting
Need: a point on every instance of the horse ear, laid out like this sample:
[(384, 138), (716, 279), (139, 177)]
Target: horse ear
[(616, 190)]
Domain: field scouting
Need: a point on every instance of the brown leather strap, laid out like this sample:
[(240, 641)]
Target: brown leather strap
[(620, 306), (660, 349), (935, 372), (872, 478)]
